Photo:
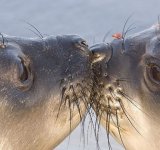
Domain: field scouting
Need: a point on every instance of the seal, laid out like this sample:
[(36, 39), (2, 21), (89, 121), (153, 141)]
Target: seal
[(44, 88), (126, 94)]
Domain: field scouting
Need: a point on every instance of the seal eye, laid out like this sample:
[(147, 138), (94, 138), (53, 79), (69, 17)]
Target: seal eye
[(155, 73), (25, 74)]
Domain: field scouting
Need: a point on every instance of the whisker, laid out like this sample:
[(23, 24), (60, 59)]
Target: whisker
[(108, 113), (106, 35), (2, 38), (130, 28), (92, 122), (132, 101), (118, 127), (126, 111), (98, 124), (76, 101), (125, 24), (35, 33), (123, 108), (70, 120), (129, 119), (95, 134), (86, 103), (129, 98), (83, 128), (108, 128), (112, 94), (157, 30), (115, 125), (61, 101), (89, 125), (40, 35), (124, 33), (119, 100), (3, 42), (121, 80)]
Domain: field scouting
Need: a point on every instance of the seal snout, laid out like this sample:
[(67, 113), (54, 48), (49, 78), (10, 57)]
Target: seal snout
[(101, 52), (81, 44), (75, 42)]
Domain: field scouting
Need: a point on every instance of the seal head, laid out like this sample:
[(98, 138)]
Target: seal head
[(127, 89), (44, 87)]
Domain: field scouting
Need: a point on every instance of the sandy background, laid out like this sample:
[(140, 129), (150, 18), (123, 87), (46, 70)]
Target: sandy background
[(91, 19)]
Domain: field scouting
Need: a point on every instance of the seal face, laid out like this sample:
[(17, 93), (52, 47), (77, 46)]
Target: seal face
[(127, 89), (44, 87)]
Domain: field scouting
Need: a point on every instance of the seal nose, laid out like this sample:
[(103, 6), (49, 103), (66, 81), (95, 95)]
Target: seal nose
[(79, 42), (100, 52), (82, 42), (74, 42)]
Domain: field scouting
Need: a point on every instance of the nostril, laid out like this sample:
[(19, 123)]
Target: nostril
[(83, 43), (101, 52)]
